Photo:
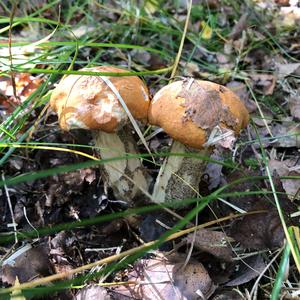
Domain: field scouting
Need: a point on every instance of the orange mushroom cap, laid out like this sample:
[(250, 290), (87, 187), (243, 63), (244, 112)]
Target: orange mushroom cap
[(84, 101), (189, 110)]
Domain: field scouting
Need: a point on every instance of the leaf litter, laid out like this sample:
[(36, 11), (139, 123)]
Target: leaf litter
[(219, 262)]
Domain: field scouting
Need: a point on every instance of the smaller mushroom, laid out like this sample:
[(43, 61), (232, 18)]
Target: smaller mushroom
[(88, 102), (197, 115)]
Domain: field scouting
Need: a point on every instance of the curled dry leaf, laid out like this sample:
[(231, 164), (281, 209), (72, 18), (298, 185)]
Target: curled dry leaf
[(213, 242)]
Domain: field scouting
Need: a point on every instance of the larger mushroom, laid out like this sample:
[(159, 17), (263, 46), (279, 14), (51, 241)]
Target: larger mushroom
[(92, 103), (197, 115)]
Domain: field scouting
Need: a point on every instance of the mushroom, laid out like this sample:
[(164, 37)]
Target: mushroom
[(92, 103), (197, 115)]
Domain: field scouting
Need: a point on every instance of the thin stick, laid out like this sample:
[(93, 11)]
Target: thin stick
[(189, 8)]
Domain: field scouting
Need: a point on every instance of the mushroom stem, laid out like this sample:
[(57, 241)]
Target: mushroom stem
[(179, 176), (125, 176)]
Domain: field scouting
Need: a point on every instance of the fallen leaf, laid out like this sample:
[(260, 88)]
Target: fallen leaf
[(287, 135), (27, 264), (158, 278), (264, 82), (249, 268), (290, 16), (287, 168), (239, 27), (92, 292), (294, 106), (284, 70), (214, 170), (213, 242), (206, 32), (25, 85), (229, 295), (241, 90)]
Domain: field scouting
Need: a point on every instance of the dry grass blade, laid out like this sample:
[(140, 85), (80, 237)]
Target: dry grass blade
[(132, 120)]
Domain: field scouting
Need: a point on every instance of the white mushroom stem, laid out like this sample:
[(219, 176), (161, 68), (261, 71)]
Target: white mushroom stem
[(179, 176), (126, 177)]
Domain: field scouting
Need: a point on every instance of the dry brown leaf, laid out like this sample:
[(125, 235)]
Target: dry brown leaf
[(92, 292), (241, 90), (287, 135), (28, 265), (287, 168), (160, 278), (264, 82), (284, 70), (213, 242), (294, 106), (248, 269), (239, 27), (26, 84)]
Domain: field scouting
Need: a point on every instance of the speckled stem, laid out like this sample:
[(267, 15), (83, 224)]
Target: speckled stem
[(126, 177), (179, 176)]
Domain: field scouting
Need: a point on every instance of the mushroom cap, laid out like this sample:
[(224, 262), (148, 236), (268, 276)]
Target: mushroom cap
[(84, 101), (189, 110)]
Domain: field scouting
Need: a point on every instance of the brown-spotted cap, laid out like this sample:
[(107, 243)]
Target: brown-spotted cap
[(83, 101), (189, 110)]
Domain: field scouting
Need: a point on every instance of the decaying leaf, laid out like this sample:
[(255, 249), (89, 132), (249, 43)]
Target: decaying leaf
[(284, 70), (249, 268), (294, 106), (27, 265), (287, 135), (214, 170), (229, 295), (239, 27), (241, 90), (287, 168), (92, 292), (263, 230), (160, 278), (25, 85), (213, 242), (265, 83), (290, 16)]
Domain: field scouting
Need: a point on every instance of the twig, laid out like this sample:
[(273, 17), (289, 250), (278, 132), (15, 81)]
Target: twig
[(189, 8)]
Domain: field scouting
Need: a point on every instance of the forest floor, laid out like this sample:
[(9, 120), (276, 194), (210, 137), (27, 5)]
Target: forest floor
[(64, 234)]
